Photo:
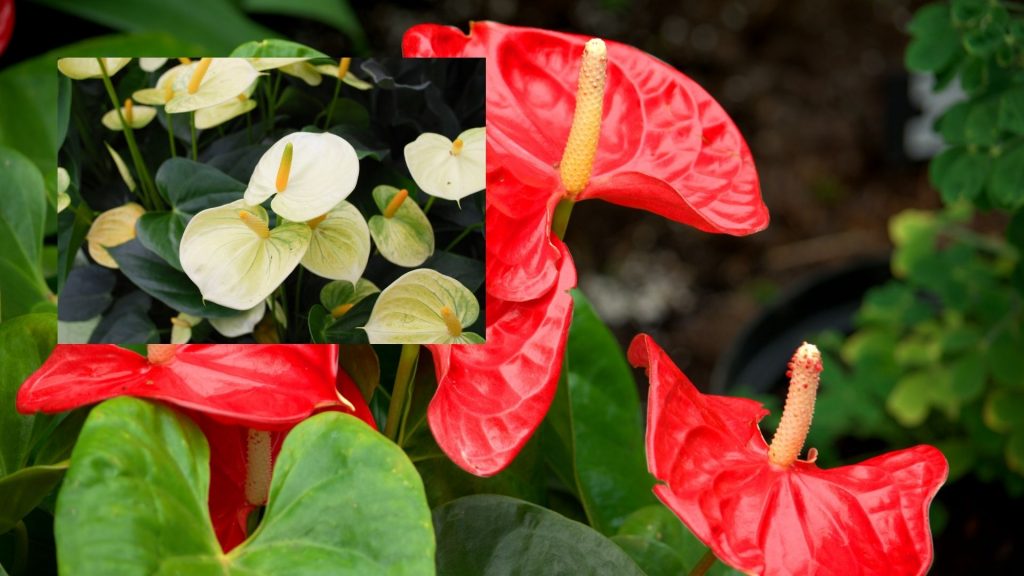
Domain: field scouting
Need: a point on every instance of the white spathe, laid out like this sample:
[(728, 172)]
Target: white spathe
[(225, 79), (231, 263), (83, 68), (442, 169), (323, 172), (340, 246)]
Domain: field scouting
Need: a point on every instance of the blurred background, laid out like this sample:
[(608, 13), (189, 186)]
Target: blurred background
[(842, 135)]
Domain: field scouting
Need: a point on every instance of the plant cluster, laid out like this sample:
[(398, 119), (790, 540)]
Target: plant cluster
[(335, 170), (936, 355)]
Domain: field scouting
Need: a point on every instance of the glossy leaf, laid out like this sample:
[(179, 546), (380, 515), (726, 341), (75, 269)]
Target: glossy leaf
[(220, 28), (492, 397), (339, 493), (127, 322), (419, 307), (22, 217), (157, 278), (665, 146), (24, 344), (275, 48), (761, 517), (281, 384), (407, 238), (607, 429), (86, 293), (496, 535)]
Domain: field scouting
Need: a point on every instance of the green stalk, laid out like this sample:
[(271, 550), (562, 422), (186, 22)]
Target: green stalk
[(192, 130), (560, 221), (330, 109), (402, 390), (170, 135), (704, 564), (150, 198), (461, 236), (430, 202)]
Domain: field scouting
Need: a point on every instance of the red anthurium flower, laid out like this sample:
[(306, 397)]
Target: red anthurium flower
[(760, 508), (577, 119), (491, 397), (244, 397), (268, 386)]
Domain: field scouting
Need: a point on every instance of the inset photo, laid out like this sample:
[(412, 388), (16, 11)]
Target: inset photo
[(274, 196)]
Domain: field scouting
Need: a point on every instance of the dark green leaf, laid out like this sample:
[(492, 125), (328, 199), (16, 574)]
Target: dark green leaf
[(158, 279), (657, 523), (127, 322), (348, 328), (607, 424), (24, 490), (953, 122), (350, 114), (340, 496), (982, 124), (653, 557), (337, 13), (1006, 184), (935, 41), (968, 375), (1011, 110), (25, 342), (74, 225), (959, 174), (22, 217), (1005, 360), (496, 536), (217, 25), (365, 141), (86, 294)]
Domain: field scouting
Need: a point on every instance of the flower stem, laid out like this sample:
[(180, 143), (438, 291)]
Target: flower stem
[(560, 221), (704, 564), (402, 390), (298, 296), (461, 236), (430, 202), (170, 136), (149, 196), (192, 131), (330, 109)]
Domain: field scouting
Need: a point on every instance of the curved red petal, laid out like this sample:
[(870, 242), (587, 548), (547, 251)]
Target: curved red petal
[(267, 386), (869, 518), (491, 397), (522, 260), (666, 146)]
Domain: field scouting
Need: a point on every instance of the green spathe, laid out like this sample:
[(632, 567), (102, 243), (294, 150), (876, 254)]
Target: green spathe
[(406, 239), (413, 310), (323, 172), (231, 263), (340, 245), (140, 475)]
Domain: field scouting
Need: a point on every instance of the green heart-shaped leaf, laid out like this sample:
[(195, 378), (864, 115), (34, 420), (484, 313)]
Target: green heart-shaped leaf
[(406, 238), (22, 217), (340, 245), (496, 535), (189, 187), (275, 48), (343, 500), (424, 307)]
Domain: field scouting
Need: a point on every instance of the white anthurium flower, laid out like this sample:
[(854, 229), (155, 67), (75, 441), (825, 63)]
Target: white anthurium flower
[(164, 90), (181, 327), (134, 116), (306, 173), (112, 228), (240, 324), (298, 67), (447, 169), (84, 68), (423, 307), (340, 246), (63, 183), (401, 231), (209, 82), (233, 256), (342, 72), (122, 168), (221, 113)]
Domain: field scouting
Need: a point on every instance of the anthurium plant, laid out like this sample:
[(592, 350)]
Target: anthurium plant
[(234, 190), (484, 425)]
